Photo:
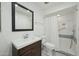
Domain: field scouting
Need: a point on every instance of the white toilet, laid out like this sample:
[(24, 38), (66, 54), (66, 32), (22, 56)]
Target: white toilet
[(47, 49)]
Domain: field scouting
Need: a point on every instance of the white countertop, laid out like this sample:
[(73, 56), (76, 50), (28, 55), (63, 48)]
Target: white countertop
[(20, 43)]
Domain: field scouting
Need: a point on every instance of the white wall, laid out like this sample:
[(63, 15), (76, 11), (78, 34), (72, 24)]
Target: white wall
[(69, 20), (6, 34)]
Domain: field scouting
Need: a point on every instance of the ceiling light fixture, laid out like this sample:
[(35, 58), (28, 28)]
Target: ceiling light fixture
[(28, 11), (16, 5), (58, 15)]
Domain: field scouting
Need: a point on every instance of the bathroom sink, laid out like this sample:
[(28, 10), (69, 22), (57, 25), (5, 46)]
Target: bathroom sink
[(20, 43)]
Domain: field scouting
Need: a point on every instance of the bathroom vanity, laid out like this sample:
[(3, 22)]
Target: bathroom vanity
[(29, 48)]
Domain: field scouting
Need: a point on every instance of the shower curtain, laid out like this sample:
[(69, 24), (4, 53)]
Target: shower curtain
[(51, 31)]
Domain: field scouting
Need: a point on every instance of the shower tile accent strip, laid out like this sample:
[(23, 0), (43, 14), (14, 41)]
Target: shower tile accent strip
[(66, 36)]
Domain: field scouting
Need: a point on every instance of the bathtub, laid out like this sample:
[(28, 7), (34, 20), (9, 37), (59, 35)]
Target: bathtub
[(52, 51)]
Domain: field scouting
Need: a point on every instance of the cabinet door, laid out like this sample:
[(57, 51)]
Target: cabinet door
[(31, 50), (36, 52)]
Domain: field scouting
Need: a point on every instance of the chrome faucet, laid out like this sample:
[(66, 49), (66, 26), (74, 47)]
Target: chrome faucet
[(25, 36)]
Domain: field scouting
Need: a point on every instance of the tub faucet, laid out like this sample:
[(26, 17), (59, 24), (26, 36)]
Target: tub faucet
[(25, 36)]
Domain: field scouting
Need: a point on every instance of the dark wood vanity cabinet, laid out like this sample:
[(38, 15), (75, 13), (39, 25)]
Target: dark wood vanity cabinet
[(30, 50)]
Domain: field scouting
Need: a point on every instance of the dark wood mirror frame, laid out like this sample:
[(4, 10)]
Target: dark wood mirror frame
[(13, 17)]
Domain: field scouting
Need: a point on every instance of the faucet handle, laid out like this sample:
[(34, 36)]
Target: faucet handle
[(25, 36)]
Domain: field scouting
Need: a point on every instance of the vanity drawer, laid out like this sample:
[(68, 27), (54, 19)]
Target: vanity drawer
[(31, 50)]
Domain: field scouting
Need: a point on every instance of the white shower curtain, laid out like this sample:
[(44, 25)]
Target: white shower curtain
[(51, 30)]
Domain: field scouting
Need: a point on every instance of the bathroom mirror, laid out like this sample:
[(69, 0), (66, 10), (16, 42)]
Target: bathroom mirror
[(22, 18)]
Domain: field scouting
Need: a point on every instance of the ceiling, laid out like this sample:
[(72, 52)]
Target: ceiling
[(52, 7), (44, 6)]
